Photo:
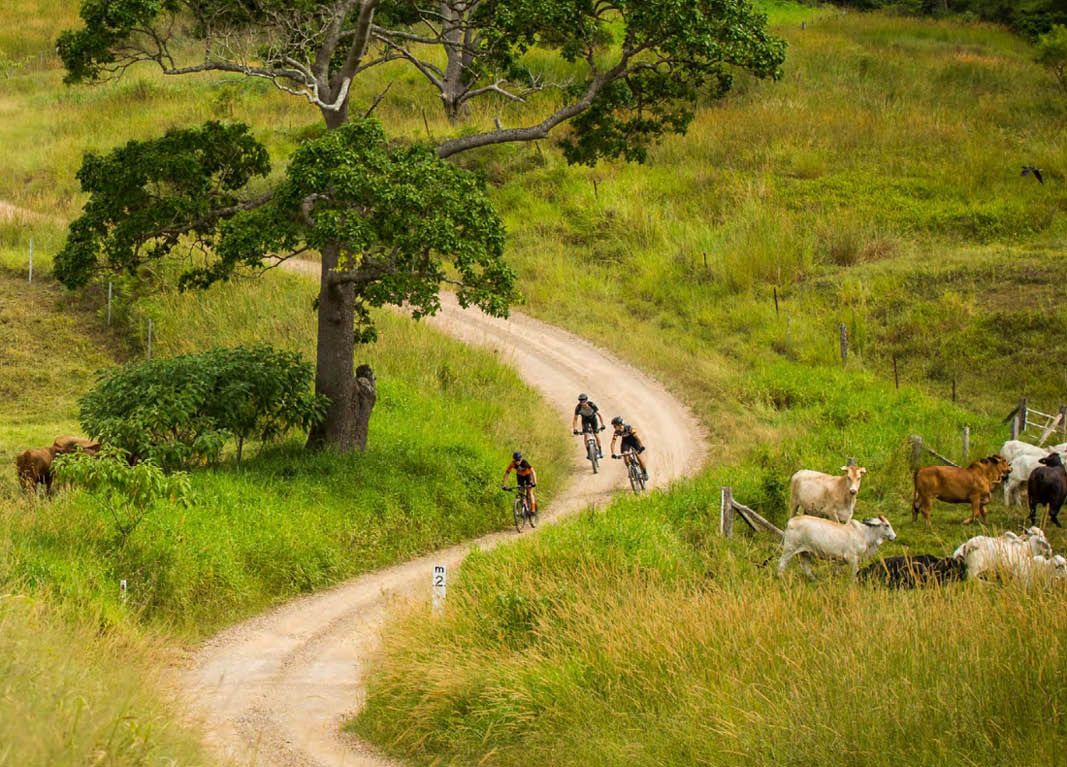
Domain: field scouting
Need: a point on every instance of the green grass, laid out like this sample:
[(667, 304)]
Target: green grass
[(74, 695), (877, 185)]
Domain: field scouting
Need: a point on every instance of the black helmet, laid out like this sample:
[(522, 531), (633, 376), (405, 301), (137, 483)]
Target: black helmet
[(616, 421), (517, 455), (583, 397)]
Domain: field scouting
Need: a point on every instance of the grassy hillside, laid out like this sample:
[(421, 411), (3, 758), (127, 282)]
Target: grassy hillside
[(877, 185)]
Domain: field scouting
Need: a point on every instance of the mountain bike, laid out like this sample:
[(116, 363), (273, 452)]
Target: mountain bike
[(633, 470), (592, 452), (520, 508)]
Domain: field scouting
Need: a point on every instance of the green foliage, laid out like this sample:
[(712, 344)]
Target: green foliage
[(128, 493), (404, 220), (146, 195), (1052, 53), (89, 52), (183, 409)]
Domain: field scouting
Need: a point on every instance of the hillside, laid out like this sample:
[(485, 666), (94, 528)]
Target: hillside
[(876, 186)]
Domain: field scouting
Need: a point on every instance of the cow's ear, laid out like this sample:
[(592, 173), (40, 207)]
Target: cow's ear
[(862, 471)]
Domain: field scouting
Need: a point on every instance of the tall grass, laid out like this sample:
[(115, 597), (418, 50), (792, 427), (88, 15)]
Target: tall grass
[(73, 695)]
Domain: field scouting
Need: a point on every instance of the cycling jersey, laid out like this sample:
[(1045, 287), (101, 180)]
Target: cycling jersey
[(587, 409), (523, 471)]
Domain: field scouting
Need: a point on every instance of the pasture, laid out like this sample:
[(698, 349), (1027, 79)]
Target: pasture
[(876, 186)]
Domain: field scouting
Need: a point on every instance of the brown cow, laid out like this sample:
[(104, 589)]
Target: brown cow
[(74, 444), (955, 485), (34, 467)]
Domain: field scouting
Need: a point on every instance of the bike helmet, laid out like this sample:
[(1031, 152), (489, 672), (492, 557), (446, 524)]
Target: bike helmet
[(617, 421), (583, 397), (517, 455)]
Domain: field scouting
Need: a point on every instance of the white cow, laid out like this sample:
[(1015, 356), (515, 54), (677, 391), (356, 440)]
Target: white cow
[(1014, 448), (825, 495), (852, 542), (1007, 554)]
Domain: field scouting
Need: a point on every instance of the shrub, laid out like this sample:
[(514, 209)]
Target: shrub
[(184, 409), (1052, 53), (128, 493)]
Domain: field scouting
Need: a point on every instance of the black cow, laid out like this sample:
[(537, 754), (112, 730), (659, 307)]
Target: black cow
[(909, 572), (1048, 485)]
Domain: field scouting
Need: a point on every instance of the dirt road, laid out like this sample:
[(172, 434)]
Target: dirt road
[(274, 690)]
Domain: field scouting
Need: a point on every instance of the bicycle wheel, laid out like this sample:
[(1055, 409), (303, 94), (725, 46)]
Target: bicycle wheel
[(518, 510), (634, 474), (590, 449)]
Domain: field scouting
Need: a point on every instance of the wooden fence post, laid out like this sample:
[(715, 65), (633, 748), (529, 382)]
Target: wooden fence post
[(896, 376), (966, 445), (726, 518), (1063, 420), (844, 343), (916, 451)]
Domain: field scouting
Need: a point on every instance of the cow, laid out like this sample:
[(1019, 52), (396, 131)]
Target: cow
[(64, 445), (825, 495), (952, 484), (1022, 466), (34, 467), (912, 571), (852, 542), (1048, 485), (1014, 448), (1005, 555)]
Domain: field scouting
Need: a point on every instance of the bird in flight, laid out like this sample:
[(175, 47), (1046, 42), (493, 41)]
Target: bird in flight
[(1030, 169)]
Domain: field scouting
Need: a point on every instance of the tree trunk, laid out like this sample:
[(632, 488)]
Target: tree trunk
[(455, 75), (364, 395), (333, 360)]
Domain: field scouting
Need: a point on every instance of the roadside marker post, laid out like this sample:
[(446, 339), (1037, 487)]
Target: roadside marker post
[(122, 590), (439, 586)]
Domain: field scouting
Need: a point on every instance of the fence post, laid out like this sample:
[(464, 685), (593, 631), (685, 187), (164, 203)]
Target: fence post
[(726, 513), (150, 339), (896, 376), (844, 343), (776, 301), (1021, 416), (109, 302), (31, 261), (966, 445), (916, 451), (1063, 420)]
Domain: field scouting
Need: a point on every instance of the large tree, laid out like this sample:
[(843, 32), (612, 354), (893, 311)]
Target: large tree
[(634, 71)]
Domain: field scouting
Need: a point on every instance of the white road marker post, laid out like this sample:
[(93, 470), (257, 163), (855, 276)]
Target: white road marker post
[(439, 585), (122, 590)]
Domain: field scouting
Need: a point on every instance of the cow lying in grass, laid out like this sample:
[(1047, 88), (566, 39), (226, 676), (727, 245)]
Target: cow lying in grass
[(955, 485), (1007, 556), (853, 542), (910, 572)]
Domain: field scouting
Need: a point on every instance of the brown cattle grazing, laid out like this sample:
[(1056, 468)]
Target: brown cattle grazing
[(955, 485), (34, 467), (74, 444)]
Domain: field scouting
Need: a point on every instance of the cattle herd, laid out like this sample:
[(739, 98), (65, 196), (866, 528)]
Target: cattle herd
[(826, 504)]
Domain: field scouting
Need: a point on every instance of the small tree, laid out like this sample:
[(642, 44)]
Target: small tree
[(1052, 53), (184, 409), (127, 493)]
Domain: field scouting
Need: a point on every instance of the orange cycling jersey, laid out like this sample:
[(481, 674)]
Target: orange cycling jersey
[(522, 468)]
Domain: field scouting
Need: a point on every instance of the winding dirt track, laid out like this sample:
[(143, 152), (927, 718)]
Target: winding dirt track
[(274, 690)]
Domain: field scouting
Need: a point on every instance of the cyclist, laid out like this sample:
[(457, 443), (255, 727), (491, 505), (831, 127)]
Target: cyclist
[(524, 475), (589, 413), (630, 441)]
